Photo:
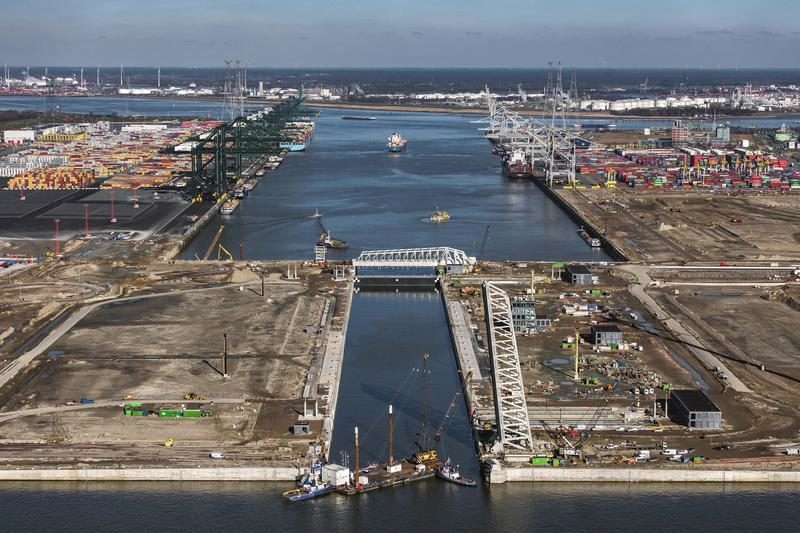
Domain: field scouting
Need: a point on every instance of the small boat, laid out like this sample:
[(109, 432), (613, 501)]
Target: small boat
[(316, 213), (229, 206), (357, 117), (449, 472), (440, 216)]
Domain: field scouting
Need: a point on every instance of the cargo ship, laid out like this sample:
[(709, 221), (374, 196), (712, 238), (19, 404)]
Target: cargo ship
[(292, 146), (357, 117), (594, 242), (395, 143), (229, 206), (300, 136), (517, 165)]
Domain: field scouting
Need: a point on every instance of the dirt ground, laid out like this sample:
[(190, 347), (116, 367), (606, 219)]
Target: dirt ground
[(754, 320), (754, 425), (692, 226), (164, 342)]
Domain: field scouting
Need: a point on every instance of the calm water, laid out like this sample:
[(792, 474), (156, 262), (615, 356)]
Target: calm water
[(375, 200)]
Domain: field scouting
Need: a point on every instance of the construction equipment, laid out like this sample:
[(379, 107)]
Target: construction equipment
[(193, 396), (169, 442), (449, 413), (220, 250), (213, 242)]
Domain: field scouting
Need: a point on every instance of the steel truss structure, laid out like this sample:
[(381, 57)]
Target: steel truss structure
[(550, 147), (513, 425), (414, 257)]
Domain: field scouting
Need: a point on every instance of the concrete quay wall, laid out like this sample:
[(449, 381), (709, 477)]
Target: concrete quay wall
[(643, 475), (267, 473)]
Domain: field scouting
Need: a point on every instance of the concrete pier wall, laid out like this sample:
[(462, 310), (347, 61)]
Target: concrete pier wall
[(191, 233), (269, 473), (643, 475), (573, 213)]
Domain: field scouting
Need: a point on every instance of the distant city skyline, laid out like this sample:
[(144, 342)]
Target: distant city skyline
[(411, 33)]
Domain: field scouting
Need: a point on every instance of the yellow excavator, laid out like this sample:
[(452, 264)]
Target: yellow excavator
[(220, 251)]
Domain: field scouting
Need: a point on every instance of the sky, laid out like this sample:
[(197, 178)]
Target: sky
[(402, 33)]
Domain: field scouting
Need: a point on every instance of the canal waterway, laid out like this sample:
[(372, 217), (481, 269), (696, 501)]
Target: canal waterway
[(375, 200)]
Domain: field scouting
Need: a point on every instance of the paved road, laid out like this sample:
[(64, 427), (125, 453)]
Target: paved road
[(5, 417), (691, 342), (15, 367)]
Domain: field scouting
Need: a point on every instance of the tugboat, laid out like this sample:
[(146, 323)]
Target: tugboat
[(327, 241), (396, 143), (450, 473), (311, 486), (440, 216)]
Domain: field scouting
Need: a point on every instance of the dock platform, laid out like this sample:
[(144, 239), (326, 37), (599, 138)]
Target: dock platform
[(379, 478)]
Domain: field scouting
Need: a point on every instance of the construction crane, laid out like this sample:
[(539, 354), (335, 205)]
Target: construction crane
[(448, 415), (607, 393), (485, 238), (213, 242)]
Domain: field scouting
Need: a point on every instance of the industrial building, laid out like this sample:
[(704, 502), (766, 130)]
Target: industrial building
[(18, 136), (523, 314), (606, 335), (577, 275), (680, 133), (694, 409)]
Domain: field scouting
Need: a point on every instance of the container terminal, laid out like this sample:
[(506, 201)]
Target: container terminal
[(613, 369)]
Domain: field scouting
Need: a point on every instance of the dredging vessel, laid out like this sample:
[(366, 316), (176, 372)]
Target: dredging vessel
[(424, 463), (327, 241)]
